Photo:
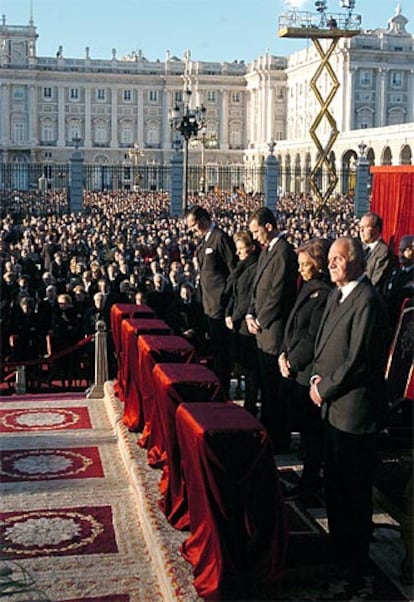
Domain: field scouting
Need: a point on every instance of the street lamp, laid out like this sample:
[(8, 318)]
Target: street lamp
[(207, 141), (134, 154), (188, 124)]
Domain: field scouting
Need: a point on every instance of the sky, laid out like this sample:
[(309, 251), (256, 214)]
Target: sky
[(213, 30)]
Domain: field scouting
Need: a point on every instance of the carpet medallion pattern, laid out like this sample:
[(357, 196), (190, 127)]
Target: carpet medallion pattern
[(47, 464), (36, 419), (57, 532)]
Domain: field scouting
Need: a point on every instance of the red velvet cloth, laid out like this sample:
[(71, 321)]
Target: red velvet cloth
[(131, 329), (173, 384), (119, 312), (238, 529), (157, 349), (392, 198)]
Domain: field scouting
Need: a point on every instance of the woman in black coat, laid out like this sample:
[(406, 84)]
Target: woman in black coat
[(239, 291), (296, 357)]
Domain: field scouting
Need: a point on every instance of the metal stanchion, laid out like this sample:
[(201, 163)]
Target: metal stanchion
[(20, 380), (96, 390)]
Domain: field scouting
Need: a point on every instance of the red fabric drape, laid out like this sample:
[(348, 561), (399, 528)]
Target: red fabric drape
[(238, 530), (393, 199)]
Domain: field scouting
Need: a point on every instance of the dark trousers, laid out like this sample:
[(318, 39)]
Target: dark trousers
[(249, 364), (273, 414), (349, 468), (305, 417), (219, 347)]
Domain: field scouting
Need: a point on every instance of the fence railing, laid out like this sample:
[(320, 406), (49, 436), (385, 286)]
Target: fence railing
[(55, 177)]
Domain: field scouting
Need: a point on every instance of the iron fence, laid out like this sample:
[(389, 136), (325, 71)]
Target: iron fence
[(55, 177)]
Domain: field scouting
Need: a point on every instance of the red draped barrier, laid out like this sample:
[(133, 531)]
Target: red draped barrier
[(238, 529), (393, 199), (131, 329), (157, 349), (173, 384), (119, 312)]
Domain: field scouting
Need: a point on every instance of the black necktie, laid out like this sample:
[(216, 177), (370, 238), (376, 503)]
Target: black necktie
[(367, 252)]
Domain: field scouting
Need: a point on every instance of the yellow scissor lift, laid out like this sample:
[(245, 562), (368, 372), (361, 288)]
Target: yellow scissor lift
[(300, 24)]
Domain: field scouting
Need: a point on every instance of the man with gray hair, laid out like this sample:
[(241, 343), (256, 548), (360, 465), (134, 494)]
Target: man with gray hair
[(348, 385)]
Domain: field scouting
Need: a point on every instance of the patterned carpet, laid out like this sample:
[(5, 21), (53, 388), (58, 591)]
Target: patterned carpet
[(80, 514), (68, 514)]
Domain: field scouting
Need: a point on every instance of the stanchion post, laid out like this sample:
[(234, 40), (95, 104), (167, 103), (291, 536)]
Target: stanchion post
[(20, 380), (96, 391)]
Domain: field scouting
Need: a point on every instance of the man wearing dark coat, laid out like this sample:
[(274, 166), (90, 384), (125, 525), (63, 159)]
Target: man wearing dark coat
[(379, 259), (274, 292), (216, 258), (347, 383)]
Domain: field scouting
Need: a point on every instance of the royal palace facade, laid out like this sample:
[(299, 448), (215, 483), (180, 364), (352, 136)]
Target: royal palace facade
[(118, 110)]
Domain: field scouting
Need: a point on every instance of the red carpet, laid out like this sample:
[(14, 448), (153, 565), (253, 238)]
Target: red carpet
[(47, 464), (62, 532), (44, 419)]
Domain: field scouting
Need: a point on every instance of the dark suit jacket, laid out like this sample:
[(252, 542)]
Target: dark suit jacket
[(302, 327), (380, 264), (350, 355), (274, 292), (216, 258)]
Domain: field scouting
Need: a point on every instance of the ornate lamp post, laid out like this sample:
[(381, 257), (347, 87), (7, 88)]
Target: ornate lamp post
[(188, 123), (206, 141), (134, 154)]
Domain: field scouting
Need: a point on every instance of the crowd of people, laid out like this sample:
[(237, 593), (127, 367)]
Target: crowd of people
[(255, 290)]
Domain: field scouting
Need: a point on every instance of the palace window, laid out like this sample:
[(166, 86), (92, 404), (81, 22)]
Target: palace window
[(153, 95), (365, 77), (396, 79), (19, 132), (100, 94), (74, 93), (127, 95), (47, 93), (211, 96), (48, 132)]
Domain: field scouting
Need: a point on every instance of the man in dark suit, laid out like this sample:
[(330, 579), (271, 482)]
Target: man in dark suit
[(347, 383), (216, 258), (274, 292), (379, 259)]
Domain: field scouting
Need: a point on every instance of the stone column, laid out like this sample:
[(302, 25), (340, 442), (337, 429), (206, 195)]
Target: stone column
[(224, 120), (76, 182), (33, 112), (114, 118), (61, 142), (361, 187), (176, 191), (272, 168), (140, 119), (5, 114), (88, 124), (380, 120), (165, 123)]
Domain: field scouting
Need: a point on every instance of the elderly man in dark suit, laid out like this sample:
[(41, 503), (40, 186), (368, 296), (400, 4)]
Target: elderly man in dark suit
[(379, 259), (347, 383), (216, 258), (274, 292)]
